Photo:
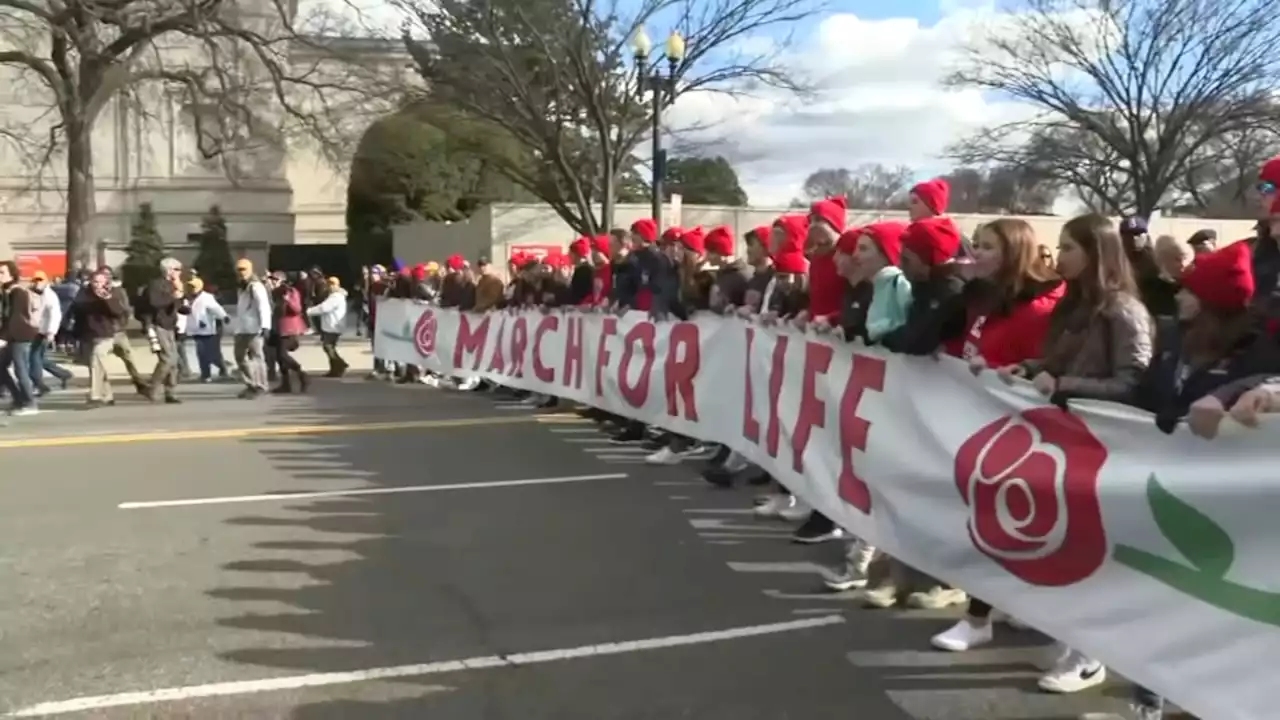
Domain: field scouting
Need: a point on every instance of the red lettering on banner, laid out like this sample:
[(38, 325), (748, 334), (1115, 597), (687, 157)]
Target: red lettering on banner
[(498, 363), (609, 329), (813, 411), (470, 341), (645, 334), (548, 323), (679, 374), (572, 354), (750, 426), (776, 376), (519, 343), (868, 373)]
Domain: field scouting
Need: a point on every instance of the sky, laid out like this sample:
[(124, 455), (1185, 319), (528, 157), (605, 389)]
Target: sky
[(880, 68)]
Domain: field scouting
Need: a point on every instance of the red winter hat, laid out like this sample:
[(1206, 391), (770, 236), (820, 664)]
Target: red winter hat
[(796, 228), (694, 240), (719, 241), (1222, 279), (602, 244), (516, 259), (419, 272), (831, 211), (888, 237), (671, 235), (935, 194), (646, 228), (761, 234), (848, 242), (1270, 172), (791, 261), (580, 247), (455, 262), (934, 240)]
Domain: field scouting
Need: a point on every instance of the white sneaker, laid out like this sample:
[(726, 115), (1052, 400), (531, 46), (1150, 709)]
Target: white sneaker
[(964, 635), (773, 507), (937, 598), (430, 381), (468, 384), (23, 411), (843, 579), (664, 456), (796, 511), (1077, 672)]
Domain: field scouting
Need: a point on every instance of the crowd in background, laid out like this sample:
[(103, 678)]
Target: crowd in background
[(1184, 329), (88, 318)]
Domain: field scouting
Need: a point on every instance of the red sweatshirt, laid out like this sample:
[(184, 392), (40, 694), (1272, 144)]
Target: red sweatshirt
[(603, 285), (1016, 336), (826, 287)]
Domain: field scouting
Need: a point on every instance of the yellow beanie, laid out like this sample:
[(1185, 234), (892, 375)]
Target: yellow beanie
[(196, 284)]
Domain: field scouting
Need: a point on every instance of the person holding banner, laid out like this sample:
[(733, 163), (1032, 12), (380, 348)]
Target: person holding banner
[(1009, 306)]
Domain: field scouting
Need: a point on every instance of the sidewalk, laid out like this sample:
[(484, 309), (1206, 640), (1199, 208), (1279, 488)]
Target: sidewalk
[(358, 355)]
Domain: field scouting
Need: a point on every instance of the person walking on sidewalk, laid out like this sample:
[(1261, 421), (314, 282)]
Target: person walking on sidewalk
[(120, 345), (50, 322), (98, 311), (332, 312), (288, 322), (164, 300), (19, 326), (202, 327), (251, 326)]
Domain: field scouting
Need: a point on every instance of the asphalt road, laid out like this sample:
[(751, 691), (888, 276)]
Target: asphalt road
[(618, 591)]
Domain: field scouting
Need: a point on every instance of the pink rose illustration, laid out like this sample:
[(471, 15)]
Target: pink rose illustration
[(1031, 484), (424, 333)]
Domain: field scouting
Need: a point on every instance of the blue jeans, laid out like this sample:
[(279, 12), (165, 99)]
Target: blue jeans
[(17, 355), (209, 355), (40, 364)]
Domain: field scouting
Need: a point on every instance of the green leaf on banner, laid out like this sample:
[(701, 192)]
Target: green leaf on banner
[(1200, 540)]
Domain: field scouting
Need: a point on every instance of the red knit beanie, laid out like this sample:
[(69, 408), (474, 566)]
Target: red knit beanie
[(831, 211), (761, 235), (888, 237), (579, 247), (672, 235), (934, 240), (848, 242), (602, 244), (646, 228), (1270, 171), (720, 241), (791, 261), (795, 229), (935, 194), (455, 262), (694, 240), (1222, 279)]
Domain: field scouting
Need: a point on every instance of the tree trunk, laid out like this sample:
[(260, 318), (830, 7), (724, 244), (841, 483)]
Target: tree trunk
[(81, 203)]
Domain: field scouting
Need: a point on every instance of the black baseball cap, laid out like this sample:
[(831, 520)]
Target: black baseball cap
[(1133, 225), (1203, 237)]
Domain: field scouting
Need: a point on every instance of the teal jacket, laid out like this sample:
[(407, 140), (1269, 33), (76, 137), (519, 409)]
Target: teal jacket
[(890, 302)]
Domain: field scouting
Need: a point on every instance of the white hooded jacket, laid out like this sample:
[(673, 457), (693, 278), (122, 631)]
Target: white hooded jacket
[(332, 311)]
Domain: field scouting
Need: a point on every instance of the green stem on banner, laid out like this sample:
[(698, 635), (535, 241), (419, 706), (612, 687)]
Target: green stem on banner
[(1257, 605)]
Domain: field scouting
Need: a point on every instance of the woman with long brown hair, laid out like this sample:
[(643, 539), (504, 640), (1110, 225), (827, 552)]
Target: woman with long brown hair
[(1098, 347), (1100, 333), (1011, 299), (1010, 305)]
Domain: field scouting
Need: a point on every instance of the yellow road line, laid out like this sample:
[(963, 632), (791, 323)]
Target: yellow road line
[(265, 431)]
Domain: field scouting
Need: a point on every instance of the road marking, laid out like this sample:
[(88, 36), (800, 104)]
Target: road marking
[(577, 431), (277, 497), (258, 432), (775, 567), (295, 682)]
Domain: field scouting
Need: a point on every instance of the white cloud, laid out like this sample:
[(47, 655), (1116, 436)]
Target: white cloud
[(881, 99)]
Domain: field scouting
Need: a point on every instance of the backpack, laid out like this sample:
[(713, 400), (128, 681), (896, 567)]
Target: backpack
[(35, 309)]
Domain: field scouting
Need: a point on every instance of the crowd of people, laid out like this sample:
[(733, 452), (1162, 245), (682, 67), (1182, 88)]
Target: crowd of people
[(88, 318), (1184, 329)]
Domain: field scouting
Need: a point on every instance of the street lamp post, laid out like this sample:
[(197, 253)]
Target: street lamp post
[(662, 90)]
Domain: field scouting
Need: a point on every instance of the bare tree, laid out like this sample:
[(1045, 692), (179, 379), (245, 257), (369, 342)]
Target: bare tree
[(1127, 94), (229, 67), (553, 80), (1020, 190), (871, 186)]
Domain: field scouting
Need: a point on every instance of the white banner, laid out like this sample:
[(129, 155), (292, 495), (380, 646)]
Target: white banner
[(1149, 551)]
